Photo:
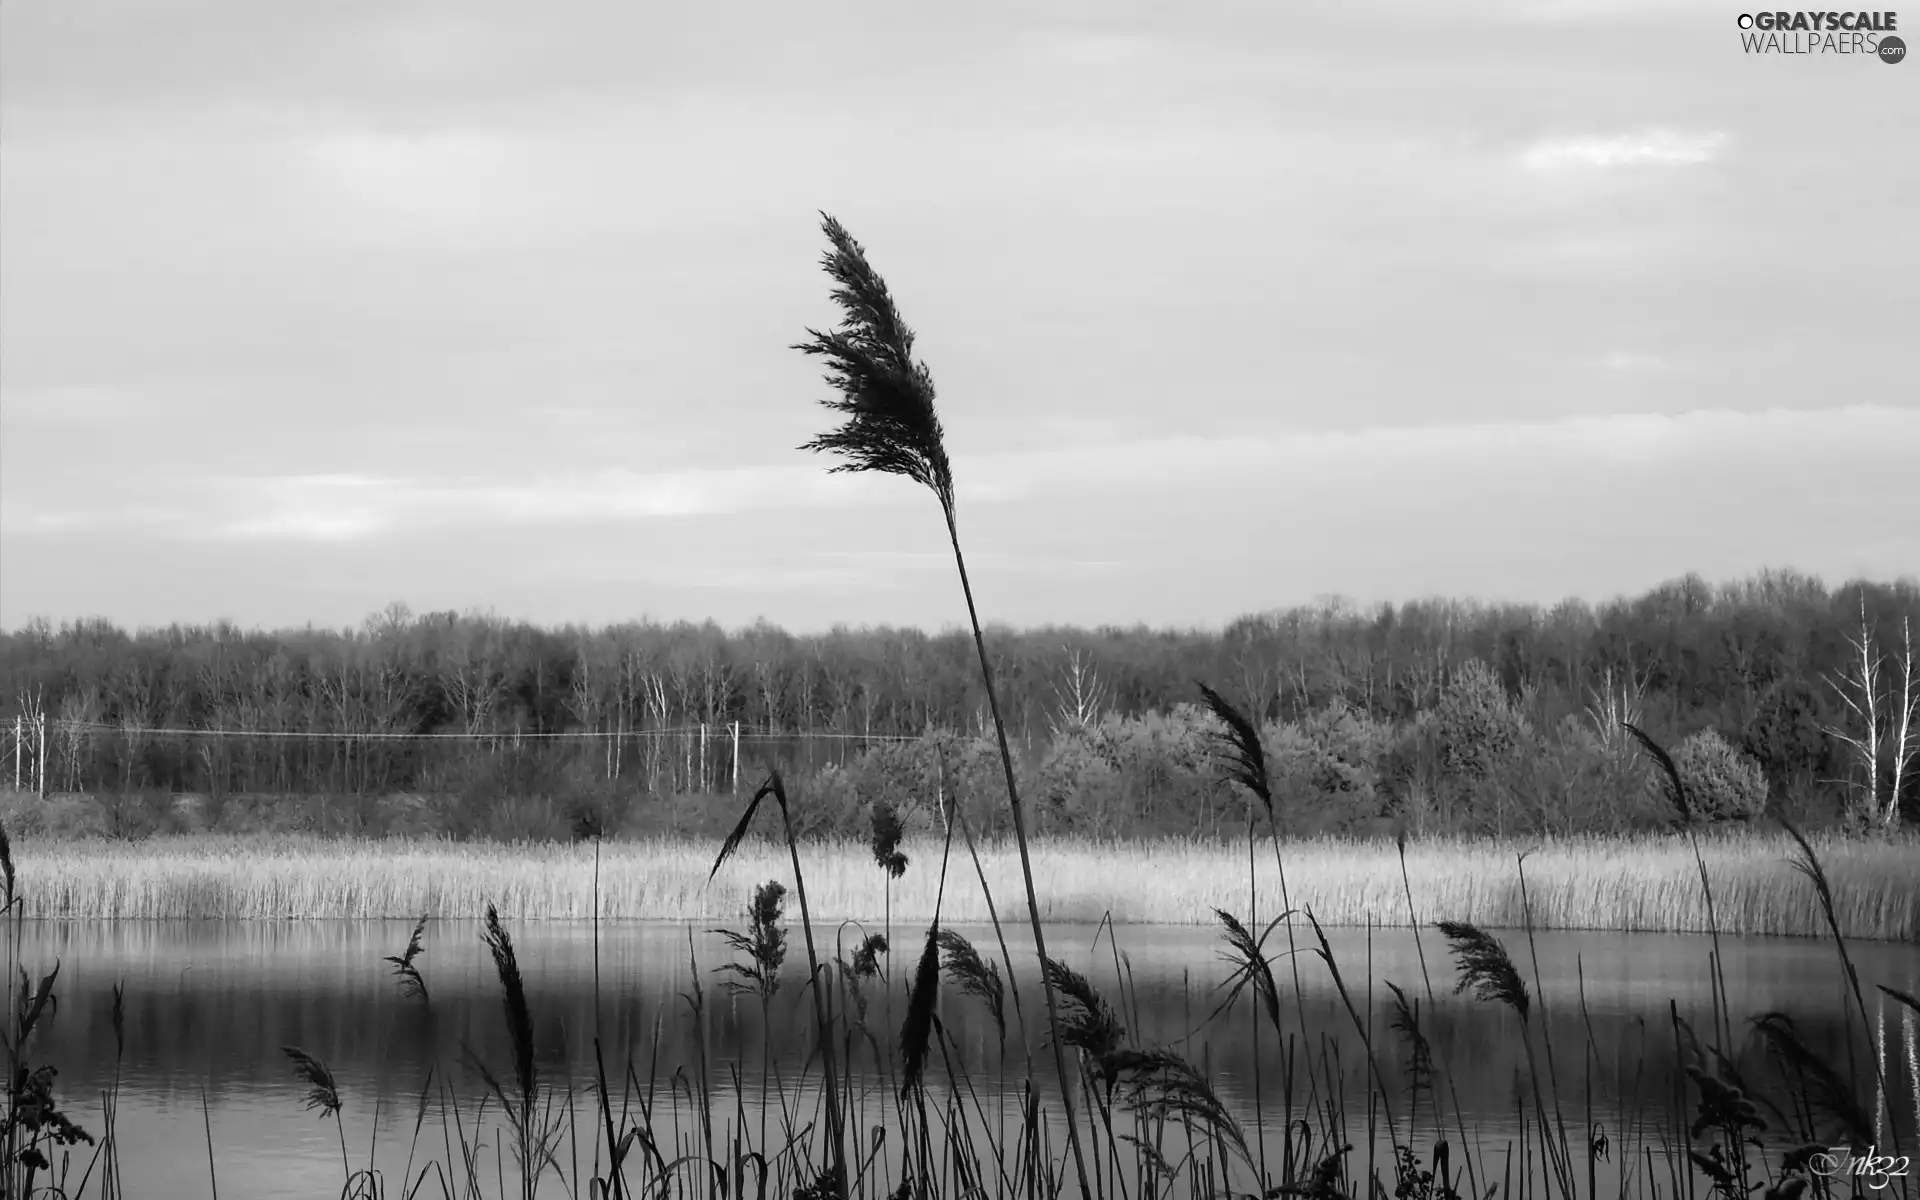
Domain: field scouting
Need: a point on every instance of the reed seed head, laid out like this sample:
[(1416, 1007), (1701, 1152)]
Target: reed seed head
[(975, 976), (1241, 744), (1086, 1022), (514, 1001), (322, 1092), (886, 396), (1486, 967), (775, 787), (885, 840), (6, 864), (866, 958), (916, 1032), (1246, 954), (1676, 789), (412, 986), (764, 943)]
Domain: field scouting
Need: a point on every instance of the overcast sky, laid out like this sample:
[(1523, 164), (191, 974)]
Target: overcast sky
[(305, 308)]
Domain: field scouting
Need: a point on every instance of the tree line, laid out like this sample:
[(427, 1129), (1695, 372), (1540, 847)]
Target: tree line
[(1801, 682)]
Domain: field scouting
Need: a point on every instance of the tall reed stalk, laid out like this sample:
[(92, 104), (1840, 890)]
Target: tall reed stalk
[(817, 991), (892, 427)]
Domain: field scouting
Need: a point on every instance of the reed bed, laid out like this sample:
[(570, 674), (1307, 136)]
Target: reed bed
[(1639, 884), (1127, 1120)]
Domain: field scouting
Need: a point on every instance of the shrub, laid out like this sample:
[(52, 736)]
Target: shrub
[(1330, 765), (1079, 788), (1722, 783), (1478, 729), (138, 813)]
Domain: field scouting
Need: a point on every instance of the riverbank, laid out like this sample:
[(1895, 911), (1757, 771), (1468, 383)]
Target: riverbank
[(1641, 884)]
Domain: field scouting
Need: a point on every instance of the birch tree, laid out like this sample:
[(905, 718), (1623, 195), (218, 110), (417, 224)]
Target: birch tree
[(1886, 720)]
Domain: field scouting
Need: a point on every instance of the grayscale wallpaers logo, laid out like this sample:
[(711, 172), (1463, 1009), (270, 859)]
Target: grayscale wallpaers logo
[(1867, 34)]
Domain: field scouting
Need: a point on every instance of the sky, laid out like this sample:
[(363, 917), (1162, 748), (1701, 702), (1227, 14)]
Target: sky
[(308, 308)]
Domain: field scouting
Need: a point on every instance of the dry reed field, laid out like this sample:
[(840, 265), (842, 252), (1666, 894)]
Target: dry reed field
[(1648, 883)]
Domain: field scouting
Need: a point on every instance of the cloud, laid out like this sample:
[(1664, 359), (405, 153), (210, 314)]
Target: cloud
[(1076, 48), (445, 181), (78, 405), (346, 507), (1338, 458), (1653, 147), (1387, 461), (1633, 362)]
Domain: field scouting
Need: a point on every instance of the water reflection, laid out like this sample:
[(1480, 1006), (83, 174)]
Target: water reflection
[(209, 1006)]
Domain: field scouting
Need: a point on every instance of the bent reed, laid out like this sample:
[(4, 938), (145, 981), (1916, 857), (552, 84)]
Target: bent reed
[(1639, 884)]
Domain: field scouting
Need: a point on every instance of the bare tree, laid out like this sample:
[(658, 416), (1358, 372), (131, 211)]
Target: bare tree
[(1616, 704), (1884, 722), (1906, 740), (1080, 695)]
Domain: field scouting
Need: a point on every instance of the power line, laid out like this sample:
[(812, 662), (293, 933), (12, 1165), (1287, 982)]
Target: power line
[(496, 735)]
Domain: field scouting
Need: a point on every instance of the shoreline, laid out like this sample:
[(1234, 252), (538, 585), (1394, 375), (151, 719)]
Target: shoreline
[(1639, 884)]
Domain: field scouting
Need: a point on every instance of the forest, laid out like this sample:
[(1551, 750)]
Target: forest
[(1776, 693)]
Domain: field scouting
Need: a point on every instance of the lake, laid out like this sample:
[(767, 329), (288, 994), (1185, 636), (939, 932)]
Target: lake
[(210, 1004)]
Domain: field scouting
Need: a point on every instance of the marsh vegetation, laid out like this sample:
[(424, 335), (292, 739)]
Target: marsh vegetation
[(1040, 1075)]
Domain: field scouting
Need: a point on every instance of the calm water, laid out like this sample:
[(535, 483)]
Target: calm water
[(209, 1005)]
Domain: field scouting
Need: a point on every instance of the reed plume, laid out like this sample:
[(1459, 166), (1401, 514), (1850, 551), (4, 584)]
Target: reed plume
[(1087, 1022), (1246, 954), (775, 787), (1406, 1023), (1677, 793), (1240, 742), (764, 943), (1822, 1089), (1906, 998), (885, 840), (411, 984), (1808, 864), (513, 998), (891, 426), (1676, 789), (866, 956), (1486, 967), (322, 1092), (975, 976), (887, 398), (916, 1032)]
